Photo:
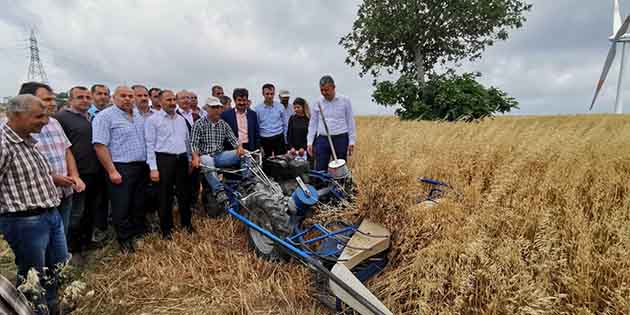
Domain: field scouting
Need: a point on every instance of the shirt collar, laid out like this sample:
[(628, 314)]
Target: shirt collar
[(11, 135), (72, 110)]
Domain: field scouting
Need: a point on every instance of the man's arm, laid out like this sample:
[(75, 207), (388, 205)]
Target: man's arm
[(105, 157), (150, 136), (194, 144), (313, 125), (73, 171), (352, 129), (230, 135)]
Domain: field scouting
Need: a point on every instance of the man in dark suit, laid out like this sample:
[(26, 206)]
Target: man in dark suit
[(243, 121)]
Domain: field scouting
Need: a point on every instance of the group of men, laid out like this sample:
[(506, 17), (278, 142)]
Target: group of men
[(65, 173)]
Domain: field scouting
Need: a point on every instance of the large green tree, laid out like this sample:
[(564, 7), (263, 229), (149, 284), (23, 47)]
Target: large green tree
[(412, 36)]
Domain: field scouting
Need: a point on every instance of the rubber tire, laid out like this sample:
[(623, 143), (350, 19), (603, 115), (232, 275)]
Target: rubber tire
[(268, 211)]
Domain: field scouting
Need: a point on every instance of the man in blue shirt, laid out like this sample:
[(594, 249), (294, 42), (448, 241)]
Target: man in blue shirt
[(271, 121), (100, 97), (118, 138)]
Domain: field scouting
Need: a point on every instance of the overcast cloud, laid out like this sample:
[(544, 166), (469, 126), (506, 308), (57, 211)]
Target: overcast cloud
[(550, 65)]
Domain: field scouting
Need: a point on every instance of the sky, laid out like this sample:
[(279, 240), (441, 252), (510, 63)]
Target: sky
[(550, 65)]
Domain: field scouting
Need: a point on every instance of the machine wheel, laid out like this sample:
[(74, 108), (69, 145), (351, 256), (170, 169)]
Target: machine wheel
[(269, 211)]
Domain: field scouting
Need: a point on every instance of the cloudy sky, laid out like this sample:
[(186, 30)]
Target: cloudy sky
[(550, 65)]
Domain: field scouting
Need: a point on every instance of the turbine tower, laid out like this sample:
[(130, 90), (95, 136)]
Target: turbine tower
[(35, 68), (619, 36)]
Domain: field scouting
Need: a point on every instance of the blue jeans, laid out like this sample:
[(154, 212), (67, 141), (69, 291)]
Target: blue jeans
[(65, 209), (37, 242), (323, 153), (223, 159)]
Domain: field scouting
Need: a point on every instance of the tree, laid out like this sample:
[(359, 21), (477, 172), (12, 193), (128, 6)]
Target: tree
[(61, 99), (412, 36), (443, 97)]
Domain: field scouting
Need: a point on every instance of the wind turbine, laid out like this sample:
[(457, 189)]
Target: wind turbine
[(620, 36)]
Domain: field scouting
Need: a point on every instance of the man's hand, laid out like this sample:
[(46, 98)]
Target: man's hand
[(190, 168), (195, 161), (240, 151), (79, 185), (155, 175), (115, 178), (309, 149), (350, 149), (63, 181)]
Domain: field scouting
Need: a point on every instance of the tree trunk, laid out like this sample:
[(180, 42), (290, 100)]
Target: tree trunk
[(419, 65)]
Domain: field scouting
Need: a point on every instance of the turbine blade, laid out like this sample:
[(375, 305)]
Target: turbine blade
[(609, 60), (616, 17), (623, 29)]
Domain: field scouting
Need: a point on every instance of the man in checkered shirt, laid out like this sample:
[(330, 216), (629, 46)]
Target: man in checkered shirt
[(29, 220), (55, 146), (208, 135)]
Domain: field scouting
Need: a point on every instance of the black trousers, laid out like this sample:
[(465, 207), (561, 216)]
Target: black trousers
[(100, 215), (174, 178), (127, 199), (84, 207), (273, 145)]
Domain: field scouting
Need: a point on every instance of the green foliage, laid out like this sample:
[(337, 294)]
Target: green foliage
[(61, 99), (399, 35), (443, 97)]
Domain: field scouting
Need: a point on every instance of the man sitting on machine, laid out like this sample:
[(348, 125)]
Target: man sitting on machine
[(208, 136)]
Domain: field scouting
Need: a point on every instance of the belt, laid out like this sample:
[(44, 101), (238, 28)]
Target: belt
[(26, 213), (345, 134), (134, 163), (179, 155)]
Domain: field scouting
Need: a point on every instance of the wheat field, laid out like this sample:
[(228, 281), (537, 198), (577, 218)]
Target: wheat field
[(539, 224)]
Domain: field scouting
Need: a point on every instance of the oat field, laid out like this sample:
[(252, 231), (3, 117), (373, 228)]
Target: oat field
[(540, 224)]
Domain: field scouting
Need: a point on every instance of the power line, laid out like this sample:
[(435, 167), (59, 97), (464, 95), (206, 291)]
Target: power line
[(35, 68)]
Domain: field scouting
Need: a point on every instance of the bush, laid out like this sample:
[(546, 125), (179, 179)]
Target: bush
[(443, 97)]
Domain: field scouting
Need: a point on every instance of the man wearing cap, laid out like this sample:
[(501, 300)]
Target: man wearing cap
[(168, 157), (272, 123), (285, 97), (337, 111), (208, 136), (118, 138)]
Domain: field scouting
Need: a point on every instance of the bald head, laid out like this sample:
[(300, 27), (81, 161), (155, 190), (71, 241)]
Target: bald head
[(123, 98)]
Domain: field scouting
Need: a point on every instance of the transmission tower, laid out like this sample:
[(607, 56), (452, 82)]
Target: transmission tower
[(35, 68)]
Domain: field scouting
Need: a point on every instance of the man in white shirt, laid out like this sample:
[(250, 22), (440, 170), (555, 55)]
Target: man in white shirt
[(168, 157)]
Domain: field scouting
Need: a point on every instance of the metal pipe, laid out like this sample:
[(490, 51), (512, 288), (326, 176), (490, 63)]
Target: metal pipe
[(315, 264)]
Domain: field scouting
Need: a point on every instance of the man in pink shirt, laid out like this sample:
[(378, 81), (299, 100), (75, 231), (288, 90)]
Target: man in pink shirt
[(243, 121)]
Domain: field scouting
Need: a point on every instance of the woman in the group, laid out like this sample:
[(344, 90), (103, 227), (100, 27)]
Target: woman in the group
[(298, 129)]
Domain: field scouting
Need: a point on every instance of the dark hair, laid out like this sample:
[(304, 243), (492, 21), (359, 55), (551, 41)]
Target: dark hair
[(240, 92), (135, 86), (299, 101), (32, 87), (268, 86), (224, 100), (164, 91), (154, 89), (302, 102), (93, 88), (82, 88), (327, 79)]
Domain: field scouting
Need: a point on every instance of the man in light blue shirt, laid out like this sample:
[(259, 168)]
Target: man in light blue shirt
[(337, 111), (168, 157), (118, 138), (272, 123), (101, 99)]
